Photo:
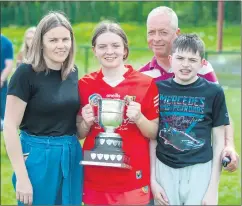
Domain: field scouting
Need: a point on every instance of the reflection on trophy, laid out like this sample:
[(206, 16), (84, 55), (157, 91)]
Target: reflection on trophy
[(108, 145)]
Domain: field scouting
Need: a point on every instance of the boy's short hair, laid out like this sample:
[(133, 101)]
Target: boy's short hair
[(189, 42)]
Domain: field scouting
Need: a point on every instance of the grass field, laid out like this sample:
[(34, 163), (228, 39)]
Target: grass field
[(137, 34), (137, 39), (230, 184)]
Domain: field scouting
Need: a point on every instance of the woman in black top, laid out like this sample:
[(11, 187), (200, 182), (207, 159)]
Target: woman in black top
[(43, 102)]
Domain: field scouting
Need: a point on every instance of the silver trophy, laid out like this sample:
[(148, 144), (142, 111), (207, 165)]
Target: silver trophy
[(108, 145)]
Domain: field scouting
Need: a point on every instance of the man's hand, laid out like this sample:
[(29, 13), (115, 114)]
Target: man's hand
[(159, 193), (230, 151)]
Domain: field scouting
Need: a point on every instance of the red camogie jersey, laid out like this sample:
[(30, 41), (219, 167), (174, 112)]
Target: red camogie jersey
[(135, 145), (154, 70)]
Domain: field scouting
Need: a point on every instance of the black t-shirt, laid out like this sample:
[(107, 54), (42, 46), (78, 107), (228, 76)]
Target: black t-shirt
[(52, 104), (187, 115)]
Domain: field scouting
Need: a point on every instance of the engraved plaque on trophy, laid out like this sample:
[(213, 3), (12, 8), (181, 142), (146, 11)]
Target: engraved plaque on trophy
[(108, 145)]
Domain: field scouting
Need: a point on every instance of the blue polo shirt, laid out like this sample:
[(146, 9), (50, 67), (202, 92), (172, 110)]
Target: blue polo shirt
[(6, 51)]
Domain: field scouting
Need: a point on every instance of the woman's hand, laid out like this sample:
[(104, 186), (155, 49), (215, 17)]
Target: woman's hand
[(88, 115), (134, 111), (24, 191)]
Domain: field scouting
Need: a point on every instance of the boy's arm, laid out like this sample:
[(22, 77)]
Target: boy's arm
[(218, 145), (157, 191), (210, 197), (153, 144)]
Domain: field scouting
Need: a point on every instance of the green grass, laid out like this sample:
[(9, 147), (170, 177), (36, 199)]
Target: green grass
[(137, 39), (137, 34), (229, 189)]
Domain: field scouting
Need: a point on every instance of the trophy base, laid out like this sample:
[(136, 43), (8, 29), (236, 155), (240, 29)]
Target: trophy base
[(109, 142), (106, 159), (106, 164)]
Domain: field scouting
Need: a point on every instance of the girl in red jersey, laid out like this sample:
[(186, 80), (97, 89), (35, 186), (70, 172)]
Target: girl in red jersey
[(109, 185)]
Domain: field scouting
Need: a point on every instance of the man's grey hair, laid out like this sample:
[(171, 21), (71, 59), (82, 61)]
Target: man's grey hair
[(164, 10)]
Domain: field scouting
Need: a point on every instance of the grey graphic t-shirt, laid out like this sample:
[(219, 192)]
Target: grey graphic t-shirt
[(187, 115)]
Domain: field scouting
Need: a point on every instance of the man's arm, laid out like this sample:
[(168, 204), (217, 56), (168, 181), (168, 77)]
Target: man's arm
[(208, 73), (229, 149)]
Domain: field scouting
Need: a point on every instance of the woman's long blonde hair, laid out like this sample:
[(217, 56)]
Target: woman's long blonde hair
[(24, 48), (35, 55)]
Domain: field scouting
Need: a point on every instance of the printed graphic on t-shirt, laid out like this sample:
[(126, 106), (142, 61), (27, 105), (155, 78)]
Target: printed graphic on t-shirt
[(178, 116)]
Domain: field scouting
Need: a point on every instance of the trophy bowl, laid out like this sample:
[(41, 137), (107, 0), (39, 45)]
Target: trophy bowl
[(110, 113), (107, 150)]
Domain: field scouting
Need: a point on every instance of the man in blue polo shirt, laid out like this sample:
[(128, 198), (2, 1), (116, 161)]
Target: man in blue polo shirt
[(5, 69)]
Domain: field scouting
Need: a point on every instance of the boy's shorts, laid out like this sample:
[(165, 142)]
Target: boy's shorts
[(139, 196), (184, 186)]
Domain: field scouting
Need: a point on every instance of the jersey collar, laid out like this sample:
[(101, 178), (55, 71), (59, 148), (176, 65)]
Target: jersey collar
[(154, 65), (130, 70)]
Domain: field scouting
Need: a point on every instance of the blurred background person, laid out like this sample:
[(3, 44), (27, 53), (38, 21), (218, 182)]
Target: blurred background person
[(27, 41), (6, 69)]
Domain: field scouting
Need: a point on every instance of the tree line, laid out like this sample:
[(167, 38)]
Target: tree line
[(194, 13)]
